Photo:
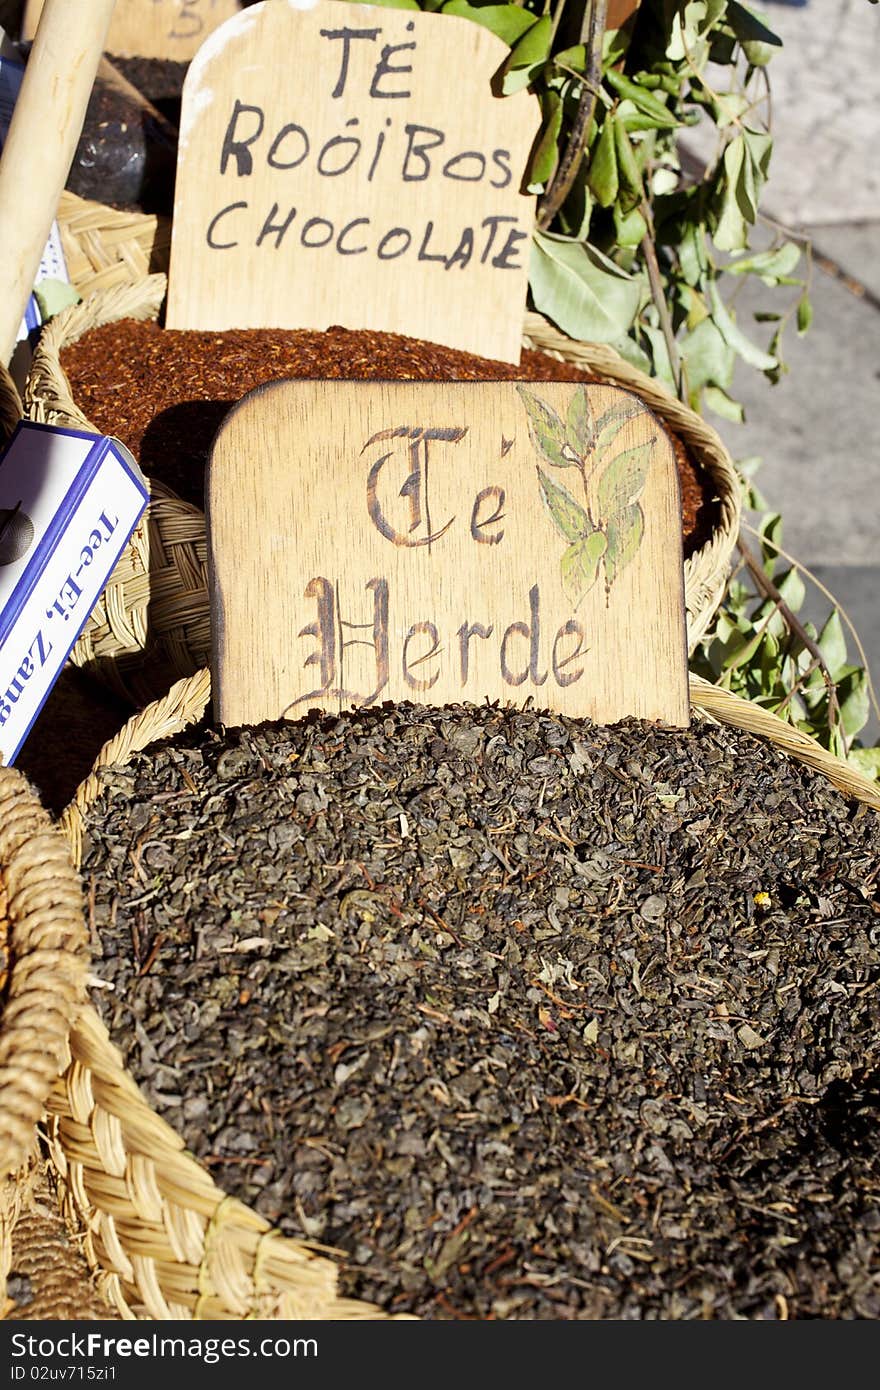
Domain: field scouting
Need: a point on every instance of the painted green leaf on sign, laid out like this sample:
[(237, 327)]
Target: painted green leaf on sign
[(579, 427), (547, 431), (622, 481), (612, 421), (616, 537), (580, 565), (624, 532), (569, 517)]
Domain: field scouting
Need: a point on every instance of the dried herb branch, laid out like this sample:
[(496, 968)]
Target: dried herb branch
[(592, 34)]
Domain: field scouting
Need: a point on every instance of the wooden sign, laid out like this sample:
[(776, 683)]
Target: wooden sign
[(172, 29), (445, 542), (375, 185)]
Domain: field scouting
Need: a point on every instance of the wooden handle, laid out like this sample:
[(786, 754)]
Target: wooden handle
[(43, 134)]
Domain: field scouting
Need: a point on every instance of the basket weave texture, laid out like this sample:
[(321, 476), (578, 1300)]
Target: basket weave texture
[(41, 918), (157, 598), (105, 248), (151, 624), (52, 1279), (166, 1240)]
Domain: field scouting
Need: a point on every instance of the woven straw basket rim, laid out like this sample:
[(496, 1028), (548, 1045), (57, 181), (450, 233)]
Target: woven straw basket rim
[(166, 1239), (106, 247), (48, 954), (158, 596)]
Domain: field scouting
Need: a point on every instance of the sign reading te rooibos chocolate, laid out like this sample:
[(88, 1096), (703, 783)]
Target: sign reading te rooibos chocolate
[(445, 542), (373, 180)]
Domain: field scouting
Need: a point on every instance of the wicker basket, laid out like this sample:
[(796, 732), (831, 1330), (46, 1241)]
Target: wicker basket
[(53, 1281), (157, 598), (162, 1235), (165, 1240), (11, 408), (104, 248), (43, 948), (42, 982)]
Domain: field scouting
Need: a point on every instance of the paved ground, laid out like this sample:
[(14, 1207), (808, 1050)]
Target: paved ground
[(818, 431)]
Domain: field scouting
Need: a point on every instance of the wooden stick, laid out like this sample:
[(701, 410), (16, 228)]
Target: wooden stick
[(43, 134)]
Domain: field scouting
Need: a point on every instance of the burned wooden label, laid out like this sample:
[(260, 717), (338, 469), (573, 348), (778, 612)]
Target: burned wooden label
[(445, 542), (372, 191)]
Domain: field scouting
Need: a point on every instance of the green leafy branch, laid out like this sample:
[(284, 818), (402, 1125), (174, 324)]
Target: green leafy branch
[(761, 649), (634, 245)]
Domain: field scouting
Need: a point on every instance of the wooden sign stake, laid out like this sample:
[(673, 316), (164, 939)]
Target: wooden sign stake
[(442, 543)]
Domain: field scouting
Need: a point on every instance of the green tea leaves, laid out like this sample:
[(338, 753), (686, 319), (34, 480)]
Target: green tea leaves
[(629, 175), (771, 266), (641, 98), (603, 177), (545, 156), (738, 189), (757, 40), (735, 338), (527, 57), (508, 22), (804, 313)]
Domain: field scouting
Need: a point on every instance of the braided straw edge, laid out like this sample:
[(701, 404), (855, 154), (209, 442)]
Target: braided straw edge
[(169, 1241), (48, 944), (34, 1241), (16, 1195), (11, 408), (728, 708)]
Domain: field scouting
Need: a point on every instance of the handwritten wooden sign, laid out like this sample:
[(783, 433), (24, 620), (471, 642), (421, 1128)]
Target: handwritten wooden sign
[(378, 186), (172, 29), (443, 543)]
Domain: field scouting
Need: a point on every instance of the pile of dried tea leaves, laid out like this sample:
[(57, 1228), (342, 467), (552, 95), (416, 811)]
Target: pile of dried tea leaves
[(529, 1018)]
